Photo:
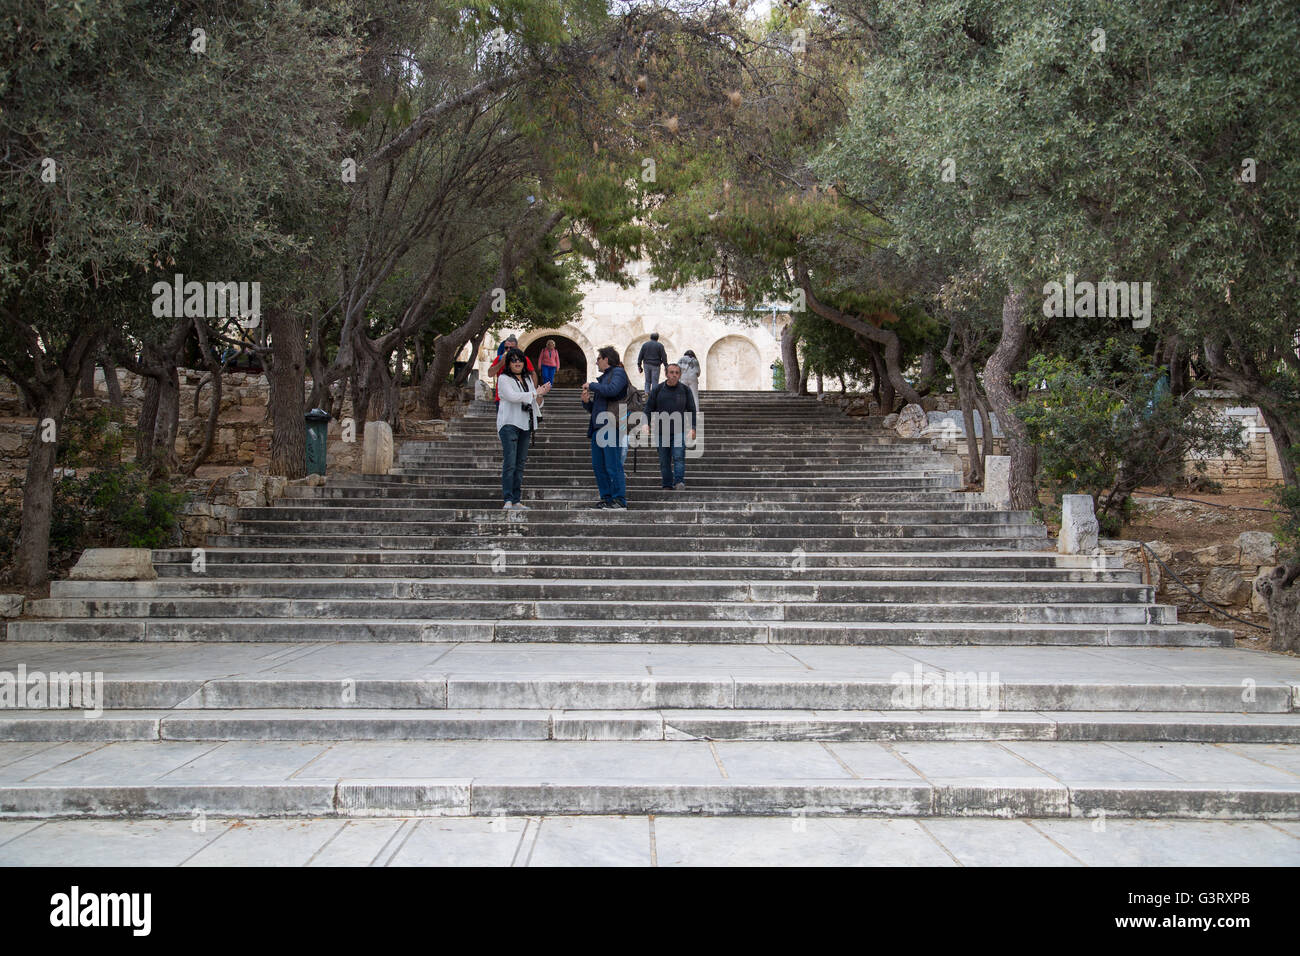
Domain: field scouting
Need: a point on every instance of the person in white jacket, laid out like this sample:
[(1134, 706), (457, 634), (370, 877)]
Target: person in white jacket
[(517, 417), (690, 367)]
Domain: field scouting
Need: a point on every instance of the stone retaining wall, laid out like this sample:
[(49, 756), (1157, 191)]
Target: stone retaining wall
[(243, 436)]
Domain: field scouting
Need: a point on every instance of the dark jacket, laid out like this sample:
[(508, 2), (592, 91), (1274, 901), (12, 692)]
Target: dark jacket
[(607, 391), (671, 398), (652, 353)]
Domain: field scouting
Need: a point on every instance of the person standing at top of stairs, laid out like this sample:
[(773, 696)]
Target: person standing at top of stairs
[(691, 375), (650, 358), (549, 361), (601, 398)]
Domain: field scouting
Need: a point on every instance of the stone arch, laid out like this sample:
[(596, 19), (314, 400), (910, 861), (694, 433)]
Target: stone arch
[(630, 353), (733, 364), (532, 342), (573, 360)]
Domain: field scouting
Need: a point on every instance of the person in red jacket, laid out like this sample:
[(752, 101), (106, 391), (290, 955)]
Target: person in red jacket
[(549, 361), (496, 368)]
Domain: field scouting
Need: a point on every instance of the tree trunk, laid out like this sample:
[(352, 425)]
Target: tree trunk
[(52, 397), (885, 339), (210, 427), (417, 373), (473, 356), (517, 247), (986, 422), (963, 377), (110, 380), (38, 503), (885, 387), (790, 358), (1282, 598), (1006, 359), (444, 352), (145, 424), (288, 368), (167, 425), (88, 381), (928, 366), (1280, 432)]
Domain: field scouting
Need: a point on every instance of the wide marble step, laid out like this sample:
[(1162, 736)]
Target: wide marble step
[(1031, 778)]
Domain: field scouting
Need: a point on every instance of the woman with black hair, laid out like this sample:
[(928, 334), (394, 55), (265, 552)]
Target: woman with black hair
[(517, 417)]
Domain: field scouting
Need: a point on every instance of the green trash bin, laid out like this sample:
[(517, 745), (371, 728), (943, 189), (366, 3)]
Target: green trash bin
[(318, 423)]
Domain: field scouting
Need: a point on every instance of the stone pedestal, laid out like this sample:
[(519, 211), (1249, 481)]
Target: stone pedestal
[(377, 452), (997, 480), (1079, 528), (114, 564)]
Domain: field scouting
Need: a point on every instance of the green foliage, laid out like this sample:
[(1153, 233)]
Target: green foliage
[(778, 376), (1106, 424), (110, 504), (829, 350)]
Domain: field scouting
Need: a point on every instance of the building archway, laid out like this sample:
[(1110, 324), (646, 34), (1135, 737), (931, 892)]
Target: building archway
[(573, 357), (733, 364), (633, 350)]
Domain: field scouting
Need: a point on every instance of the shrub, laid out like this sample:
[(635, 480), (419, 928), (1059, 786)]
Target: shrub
[(1106, 423), (114, 504)]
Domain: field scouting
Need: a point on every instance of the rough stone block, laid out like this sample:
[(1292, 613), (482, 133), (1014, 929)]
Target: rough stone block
[(911, 421), (250, 499), (275, 486), (377, 453), (1257, 602), (1257, 548), (1217, 554), (114, 564), (1161, 550), (997, 480), (1078, 525), (11, 605), (1224, 586), (244, 482)]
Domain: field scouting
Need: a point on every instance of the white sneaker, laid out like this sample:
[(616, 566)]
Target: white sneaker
[(520, 506), (508, 506)]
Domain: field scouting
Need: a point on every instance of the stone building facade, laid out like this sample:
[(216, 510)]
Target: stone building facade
[(734, 354)]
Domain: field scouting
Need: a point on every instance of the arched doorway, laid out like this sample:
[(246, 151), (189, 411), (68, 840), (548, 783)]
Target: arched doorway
[(573, 361), (734, 365), (633, 350)]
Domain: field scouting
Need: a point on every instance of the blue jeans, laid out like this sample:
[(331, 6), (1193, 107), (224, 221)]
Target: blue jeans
[(548, 373), (651, 376), (672, 462), (607, 464), (514, 452)]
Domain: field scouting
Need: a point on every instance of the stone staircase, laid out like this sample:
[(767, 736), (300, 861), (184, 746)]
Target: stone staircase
[(819, 622)]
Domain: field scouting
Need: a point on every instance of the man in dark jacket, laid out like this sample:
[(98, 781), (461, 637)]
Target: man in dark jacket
[(601, 398), (670, 413), (648, 360)]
